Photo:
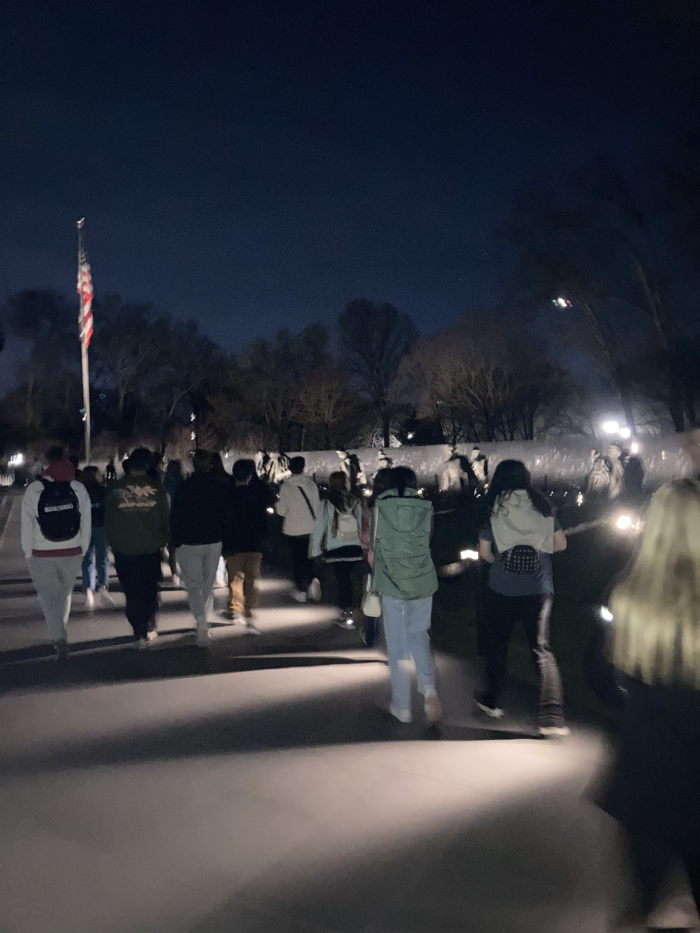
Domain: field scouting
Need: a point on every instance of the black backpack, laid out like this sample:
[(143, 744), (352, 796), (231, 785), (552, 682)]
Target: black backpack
[(59, 511), (521, 559)]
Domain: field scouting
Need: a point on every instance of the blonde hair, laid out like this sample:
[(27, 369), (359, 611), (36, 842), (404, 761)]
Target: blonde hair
[(656, 607)]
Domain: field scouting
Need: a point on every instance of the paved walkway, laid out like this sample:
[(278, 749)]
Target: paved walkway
[(259, 787)]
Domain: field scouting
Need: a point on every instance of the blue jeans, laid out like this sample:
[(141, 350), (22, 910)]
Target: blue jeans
[(97, 554), (406, 626)]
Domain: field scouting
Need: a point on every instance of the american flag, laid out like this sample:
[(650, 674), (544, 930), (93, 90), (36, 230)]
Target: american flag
[(85, 292)]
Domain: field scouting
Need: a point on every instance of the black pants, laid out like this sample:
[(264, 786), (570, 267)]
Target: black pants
[(139, 575), (651, 861), (345, 578), (302, 567), (534, 613)]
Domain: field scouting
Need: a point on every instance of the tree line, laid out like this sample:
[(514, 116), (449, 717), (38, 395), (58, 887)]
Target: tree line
[(600, 315)]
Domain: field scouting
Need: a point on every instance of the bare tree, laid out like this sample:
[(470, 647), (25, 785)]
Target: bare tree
[(325, 400), (374, 338)]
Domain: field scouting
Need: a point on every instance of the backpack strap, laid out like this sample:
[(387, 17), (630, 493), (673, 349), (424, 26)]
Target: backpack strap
[(306, 499)]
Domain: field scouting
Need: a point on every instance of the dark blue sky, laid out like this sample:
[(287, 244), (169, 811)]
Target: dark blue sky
[(259, 164)]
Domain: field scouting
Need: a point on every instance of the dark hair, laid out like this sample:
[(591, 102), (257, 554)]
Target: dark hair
[(297, 465), (140, 459), (243, 470), (381, 482), (508, 476), (54, 454), (126, 466), (90, 473), (202, 461), (402, 478), (217, 464), (174, 468), (339, 496)]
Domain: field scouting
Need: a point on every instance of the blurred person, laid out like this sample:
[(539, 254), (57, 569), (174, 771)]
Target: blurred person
[(632, 478), (246, 527), (76, 466), (137, 523), (599, 473), (126, 466), (96, 558), (197, 523), (56, 528), (337, 538), (110, 471), (171, 480), (382, 482), (219, 470), (617, 471), (480, 467), (653, 788), (518, 541), (404, 575), (351, 465), (299, 504)]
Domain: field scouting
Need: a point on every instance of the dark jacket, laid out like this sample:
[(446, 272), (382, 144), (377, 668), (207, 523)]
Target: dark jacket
[(97, 495), (199, 510), (246, 517), (137, 516)]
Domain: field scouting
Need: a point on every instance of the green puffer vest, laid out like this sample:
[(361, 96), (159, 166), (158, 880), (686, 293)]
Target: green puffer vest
[(403, 565)]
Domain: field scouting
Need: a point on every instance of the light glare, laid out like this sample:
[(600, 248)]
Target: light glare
[(624, 522), (469, 555), (605, 614), (625, 432), (611, 427)]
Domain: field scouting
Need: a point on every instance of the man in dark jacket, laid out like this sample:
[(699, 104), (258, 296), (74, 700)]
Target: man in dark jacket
[(246, 525), (197, 523)]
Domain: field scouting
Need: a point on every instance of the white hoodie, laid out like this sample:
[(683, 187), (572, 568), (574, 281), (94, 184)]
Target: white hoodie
[(33, 539), (293, 507)]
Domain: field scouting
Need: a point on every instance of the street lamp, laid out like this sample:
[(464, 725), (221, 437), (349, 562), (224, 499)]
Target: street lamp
[(611, 427)]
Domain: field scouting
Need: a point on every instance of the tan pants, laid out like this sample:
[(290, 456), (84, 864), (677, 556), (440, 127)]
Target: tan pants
[(243, 570)]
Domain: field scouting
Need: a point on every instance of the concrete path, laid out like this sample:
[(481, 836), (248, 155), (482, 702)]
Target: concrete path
[(259, 786)]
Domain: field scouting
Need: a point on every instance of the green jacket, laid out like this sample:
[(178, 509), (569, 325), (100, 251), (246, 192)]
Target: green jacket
[(403, 565), (137, 516)]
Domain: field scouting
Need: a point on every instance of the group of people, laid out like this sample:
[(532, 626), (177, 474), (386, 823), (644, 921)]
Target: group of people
[(619, 474), (465, 473)]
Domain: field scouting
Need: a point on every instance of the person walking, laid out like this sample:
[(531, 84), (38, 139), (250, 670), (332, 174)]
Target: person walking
[(56, 528), (197, 523), (404, 575), (518, 542), (96, 558), (653, 786), (137, 523), (337, 537), (299, 504), (380, 484), (246, 527)]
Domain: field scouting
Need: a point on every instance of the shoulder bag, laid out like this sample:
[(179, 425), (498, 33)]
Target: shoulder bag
[(371, 600)]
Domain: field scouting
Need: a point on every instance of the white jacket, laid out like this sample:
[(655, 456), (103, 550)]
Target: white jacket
[(292, 505), (33, 539)]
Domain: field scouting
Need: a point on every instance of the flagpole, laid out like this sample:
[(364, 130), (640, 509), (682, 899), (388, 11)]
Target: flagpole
[(83, 348)]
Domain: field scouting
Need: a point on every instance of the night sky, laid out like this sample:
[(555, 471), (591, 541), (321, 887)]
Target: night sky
[(259, 164)]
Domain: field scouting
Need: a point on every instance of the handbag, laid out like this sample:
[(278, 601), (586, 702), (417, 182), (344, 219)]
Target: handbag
[(371, 600)]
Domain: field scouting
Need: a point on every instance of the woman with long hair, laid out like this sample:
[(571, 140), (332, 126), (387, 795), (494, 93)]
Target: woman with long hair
[(380, 483), (518, 541), (337, 539), (654, 786), (404, 575)]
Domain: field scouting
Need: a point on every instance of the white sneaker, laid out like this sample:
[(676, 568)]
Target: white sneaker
[(495, 712), (152, 636), (298, 596), (432, 705), (251, 628), (403, 715), (176, 580), (105, 599), (89, 601), (203, 638), (314, 591), (555, 731)]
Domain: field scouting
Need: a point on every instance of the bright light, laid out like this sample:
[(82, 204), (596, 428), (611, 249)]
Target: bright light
[(625, 432), (611, 427), (410, 435), (16, 460), (469, 555), (270, 510), (634, 448), (605, 614), (561, 302), (367, 492), (579, 499), (421, 491), (624, 522)]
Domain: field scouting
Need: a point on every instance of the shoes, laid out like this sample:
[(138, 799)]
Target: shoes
[(251, 628), (346, 621), (141, 644), (299, 596), (203, 638), (89, 601), (493, 711), (314, 591), (432, 705), (152, 636), (105, 599), (231, 616), (403, 715), (555, 731), (61, 647)]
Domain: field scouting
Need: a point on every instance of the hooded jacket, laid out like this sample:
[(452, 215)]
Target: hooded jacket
[(403, 564), (34, 544), (292, 506)]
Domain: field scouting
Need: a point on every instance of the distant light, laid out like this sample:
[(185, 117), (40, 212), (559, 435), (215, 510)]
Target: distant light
[(634, 448), (625, 432), (469, 555), (611, 427), (367, 492), (16, 460), (410, 435), (605, 614), (624, 522), (421, 491), (561, 302), (270, 510), (579, 499)]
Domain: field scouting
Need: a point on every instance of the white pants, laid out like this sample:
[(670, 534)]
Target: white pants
[(54, 579), (406, 625), (198, 566)]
